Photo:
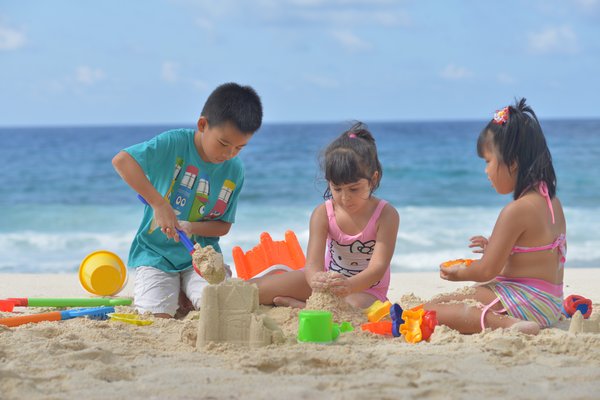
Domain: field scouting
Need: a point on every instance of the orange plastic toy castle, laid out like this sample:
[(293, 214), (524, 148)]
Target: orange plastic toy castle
[(268, 256)]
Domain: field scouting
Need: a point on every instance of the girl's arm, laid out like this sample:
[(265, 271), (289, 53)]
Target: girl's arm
[(509, 227), (317, 242), (387, 233)]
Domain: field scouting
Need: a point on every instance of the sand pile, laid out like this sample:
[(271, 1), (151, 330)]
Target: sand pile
[(210, 263)]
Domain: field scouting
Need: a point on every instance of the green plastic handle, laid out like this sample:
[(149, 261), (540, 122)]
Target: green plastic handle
[(84, 302)]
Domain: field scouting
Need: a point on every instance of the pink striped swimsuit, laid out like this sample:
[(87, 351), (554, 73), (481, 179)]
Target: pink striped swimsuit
[(531, 299), (350, 254)]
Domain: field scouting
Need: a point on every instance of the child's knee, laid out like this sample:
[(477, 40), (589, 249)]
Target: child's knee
[(156, 291)]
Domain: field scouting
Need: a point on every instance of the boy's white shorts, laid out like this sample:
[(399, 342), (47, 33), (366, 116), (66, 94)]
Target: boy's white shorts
[(157, 291)]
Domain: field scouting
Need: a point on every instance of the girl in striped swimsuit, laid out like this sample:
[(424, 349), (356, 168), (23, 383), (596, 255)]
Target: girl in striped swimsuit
[(520, 274)]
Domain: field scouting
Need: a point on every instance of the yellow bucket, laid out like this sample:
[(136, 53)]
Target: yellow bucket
[(102, 273)]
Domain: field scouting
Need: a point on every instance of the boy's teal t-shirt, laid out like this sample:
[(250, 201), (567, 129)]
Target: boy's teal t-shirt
[(197, 191)]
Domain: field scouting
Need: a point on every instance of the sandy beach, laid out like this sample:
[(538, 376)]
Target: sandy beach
[(83, 358)]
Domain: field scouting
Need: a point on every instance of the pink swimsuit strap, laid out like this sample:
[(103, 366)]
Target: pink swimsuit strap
[(559, 242), (543, 188)]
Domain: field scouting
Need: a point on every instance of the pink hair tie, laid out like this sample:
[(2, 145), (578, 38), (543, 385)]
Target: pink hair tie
[(501, 116), (352, 135)]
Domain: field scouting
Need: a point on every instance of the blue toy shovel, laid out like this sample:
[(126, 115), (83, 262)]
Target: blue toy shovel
[(189, 245), (182, 236)]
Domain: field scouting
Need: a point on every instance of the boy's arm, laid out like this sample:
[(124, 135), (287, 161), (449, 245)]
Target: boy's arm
[(207, 228), (134, 176)]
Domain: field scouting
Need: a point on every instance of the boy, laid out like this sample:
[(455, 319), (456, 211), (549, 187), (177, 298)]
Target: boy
[(191, 181)]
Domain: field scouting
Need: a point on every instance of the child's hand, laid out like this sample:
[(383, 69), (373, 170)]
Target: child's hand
[(337, 284), (451, 273), (478, 241), (167, 220), (186, 227), (340, 285)]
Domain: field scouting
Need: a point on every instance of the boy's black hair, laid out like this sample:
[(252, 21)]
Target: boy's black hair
[(238, 105), (351, 157), (520, 140)]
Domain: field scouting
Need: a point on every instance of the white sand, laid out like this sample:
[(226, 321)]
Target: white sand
[(109, 360)]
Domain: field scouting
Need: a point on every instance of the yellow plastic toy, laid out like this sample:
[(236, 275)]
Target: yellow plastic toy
[(418, 324), (378, 311), (411, 328), (268, 256), (466, 261), (102, 273), (133, 319)]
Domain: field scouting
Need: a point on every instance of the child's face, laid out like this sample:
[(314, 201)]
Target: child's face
[(217, 144), (351, 196), (503, 178)]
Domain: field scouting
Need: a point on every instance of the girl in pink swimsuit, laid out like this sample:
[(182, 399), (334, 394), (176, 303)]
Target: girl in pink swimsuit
[(521, 270), (352, 235)]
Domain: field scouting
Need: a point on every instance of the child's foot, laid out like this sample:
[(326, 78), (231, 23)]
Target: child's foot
[(526, 327), (284, 301)]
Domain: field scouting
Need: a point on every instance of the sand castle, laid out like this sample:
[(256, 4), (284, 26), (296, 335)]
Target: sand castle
[(581, 325), (229, 313)]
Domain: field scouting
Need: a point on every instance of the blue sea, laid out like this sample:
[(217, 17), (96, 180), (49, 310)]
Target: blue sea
[(60, 198)]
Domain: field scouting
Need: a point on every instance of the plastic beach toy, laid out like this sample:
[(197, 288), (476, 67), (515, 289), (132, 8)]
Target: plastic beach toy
[(316, 326), (418, 324), (102, 273), (389, 328), (92, 313), (378, 310), (466, 261), (575, 303), (268, 256), (69, 302), (379, 327), (7, 305), (133, 319)]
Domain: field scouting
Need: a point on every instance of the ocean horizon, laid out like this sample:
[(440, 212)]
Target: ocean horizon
[(61, 199)]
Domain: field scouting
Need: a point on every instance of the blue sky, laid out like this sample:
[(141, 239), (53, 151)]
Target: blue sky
[(154, 62)]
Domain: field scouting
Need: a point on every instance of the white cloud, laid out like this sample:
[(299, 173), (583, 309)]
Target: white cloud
[(88, 75), (199, 85), (289, 13), (350, 41), (322, 81), (205, 23), (170, 71), (587, 4), (11, 39), (558, 40), (454, 73), (505, 78)]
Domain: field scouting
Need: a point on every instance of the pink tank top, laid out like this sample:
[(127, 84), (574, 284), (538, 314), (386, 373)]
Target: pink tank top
[(350, 254)]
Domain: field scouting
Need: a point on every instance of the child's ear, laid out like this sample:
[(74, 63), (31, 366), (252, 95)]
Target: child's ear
[(374, 178), (514, 167), (202, 124)]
